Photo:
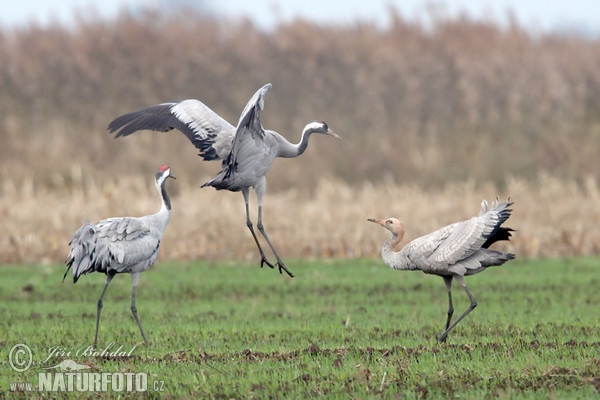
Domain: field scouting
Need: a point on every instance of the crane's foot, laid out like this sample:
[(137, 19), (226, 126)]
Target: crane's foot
[(279, 264), (283, 268), (264, 261), (442, 337)]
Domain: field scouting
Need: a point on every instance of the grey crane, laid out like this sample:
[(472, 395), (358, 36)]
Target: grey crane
[(121, 245), (452, 252), (247, 151)]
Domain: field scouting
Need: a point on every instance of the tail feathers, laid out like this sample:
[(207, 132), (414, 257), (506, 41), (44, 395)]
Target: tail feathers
[(479, 261), (223, 181), (217, 181), (209, 183), (87, 253), (494, 257)]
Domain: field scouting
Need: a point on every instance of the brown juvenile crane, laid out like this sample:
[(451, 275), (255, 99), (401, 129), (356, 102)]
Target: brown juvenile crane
[(452, 252), (247, 151), (121, 245)]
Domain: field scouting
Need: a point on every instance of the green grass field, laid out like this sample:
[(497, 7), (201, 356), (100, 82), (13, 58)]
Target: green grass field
[(341, 329)]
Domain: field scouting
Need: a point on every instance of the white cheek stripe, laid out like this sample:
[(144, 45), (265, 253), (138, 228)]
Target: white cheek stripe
[(314, 125)]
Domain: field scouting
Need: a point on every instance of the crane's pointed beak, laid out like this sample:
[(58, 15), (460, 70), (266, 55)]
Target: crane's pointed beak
[(333, 134), (171, 176), (377, 221)]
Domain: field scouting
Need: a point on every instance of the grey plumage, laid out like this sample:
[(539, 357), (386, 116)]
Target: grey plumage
[(121, 245), (247, 151), (452, 252), (210, 133)]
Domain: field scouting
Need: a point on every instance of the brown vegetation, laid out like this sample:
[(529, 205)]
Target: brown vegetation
[(433, 119), (552, 218)]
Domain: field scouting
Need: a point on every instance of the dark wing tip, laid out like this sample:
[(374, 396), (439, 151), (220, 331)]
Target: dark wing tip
[(502, 233), (155, 118)]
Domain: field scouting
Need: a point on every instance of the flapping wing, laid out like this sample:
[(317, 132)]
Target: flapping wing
[(469, 236), (248, 143), (210, 133)]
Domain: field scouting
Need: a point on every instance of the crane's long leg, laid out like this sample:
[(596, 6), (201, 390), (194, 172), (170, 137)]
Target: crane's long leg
[(448, 282), (260, 188), (135, 314), (100, 305), (460, 280), (264, 233), (263, 258)]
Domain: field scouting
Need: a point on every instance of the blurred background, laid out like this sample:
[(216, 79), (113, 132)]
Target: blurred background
[(440, 104)]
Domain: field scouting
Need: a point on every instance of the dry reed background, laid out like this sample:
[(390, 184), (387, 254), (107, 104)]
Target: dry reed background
[(553, 219), (433, 119)]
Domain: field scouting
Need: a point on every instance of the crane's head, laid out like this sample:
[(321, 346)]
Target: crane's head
[(393, 225), (320, 127), (162, 175)]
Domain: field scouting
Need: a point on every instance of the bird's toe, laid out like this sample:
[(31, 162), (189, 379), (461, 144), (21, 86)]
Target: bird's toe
[(264, 261), (283, 268)]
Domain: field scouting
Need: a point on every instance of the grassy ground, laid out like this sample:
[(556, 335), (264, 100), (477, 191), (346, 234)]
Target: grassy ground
[(345, 329)]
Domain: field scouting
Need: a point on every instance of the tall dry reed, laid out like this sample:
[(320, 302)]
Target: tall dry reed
[(455, 100), (434, 119), (552, 218)]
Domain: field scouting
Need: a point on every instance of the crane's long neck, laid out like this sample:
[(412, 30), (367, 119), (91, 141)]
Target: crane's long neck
[(288, 150), (395, 259), (164, 196), (160, 220)]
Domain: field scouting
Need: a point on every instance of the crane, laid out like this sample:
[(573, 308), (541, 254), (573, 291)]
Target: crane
[(247, 151), (452, 252), (121, 245)]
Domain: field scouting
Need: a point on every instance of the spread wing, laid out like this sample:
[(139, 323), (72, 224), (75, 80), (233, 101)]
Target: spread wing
[(249, 135), (207, 131), (467, 237), (249, 152)]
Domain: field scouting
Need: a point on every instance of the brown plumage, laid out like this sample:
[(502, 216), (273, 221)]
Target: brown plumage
[(452, 252)]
